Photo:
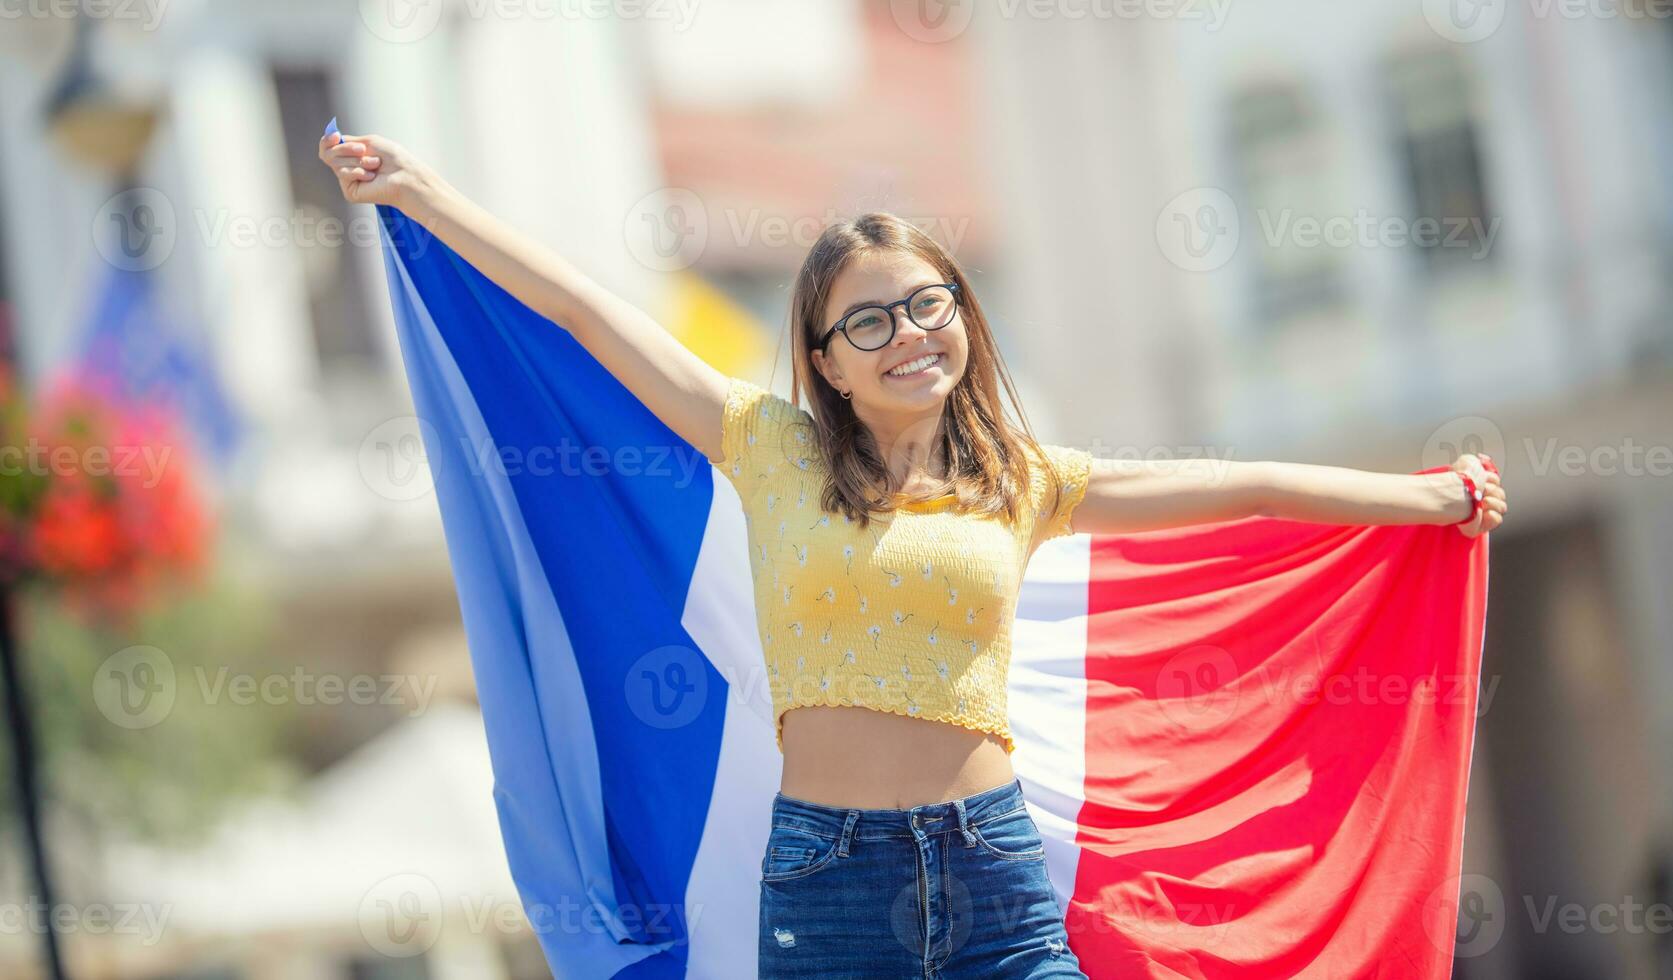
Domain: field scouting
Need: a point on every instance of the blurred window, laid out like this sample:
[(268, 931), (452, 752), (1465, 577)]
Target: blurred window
[(1432, 102), (342, 324), (1278, 146)]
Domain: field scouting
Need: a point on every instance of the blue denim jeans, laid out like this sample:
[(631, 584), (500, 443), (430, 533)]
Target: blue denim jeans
[(954, 889)]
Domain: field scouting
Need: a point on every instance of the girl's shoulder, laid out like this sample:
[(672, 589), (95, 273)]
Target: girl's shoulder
[(1058, 477), (748, 401), (761, 432)]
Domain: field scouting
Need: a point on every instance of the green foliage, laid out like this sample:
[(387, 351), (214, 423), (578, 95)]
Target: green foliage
[(168, 780)]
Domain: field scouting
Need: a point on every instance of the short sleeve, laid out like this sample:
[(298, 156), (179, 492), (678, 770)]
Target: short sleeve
[(760, 432), (1073, 468)]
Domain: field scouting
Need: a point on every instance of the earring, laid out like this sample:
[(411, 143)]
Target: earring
[(848, 395)]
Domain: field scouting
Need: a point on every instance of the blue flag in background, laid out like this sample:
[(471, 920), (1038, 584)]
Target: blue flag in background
[(134, 353)]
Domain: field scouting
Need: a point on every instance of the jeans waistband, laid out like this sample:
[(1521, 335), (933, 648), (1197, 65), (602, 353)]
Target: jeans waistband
[(918, 821)]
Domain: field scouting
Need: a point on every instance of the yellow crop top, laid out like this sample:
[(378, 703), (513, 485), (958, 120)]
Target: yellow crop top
[(911, 616)]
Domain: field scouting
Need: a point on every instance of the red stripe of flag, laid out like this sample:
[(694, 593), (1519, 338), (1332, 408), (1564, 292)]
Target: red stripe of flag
[(1279, 726)]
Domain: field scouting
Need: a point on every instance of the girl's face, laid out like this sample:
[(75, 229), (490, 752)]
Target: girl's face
[(877, 278)]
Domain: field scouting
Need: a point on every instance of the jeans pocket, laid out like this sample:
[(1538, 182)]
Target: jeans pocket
[(794, 853), (1012, 836)]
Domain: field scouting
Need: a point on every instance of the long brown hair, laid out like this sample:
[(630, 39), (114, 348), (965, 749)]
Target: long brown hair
[(987, 468)]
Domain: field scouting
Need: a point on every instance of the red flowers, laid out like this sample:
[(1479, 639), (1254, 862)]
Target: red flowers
[(96, 499)]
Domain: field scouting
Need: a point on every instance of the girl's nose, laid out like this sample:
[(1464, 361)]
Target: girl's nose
[(905, 323)]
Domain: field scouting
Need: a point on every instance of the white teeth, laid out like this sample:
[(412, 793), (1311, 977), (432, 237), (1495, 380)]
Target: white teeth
[(913, 367)]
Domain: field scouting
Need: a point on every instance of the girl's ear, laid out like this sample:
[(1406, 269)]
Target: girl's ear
[(827, 369)]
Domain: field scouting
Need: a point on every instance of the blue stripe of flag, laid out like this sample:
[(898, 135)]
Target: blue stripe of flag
[(603, 720)]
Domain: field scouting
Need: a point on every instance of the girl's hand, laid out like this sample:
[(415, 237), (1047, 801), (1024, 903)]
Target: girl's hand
[(1493, 507), (372, 169)]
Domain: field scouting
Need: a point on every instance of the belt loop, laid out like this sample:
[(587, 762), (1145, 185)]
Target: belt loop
[(847, 832), (964, 824)]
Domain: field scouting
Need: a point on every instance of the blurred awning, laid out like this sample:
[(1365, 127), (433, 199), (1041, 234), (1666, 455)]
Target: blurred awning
[(405, 824)]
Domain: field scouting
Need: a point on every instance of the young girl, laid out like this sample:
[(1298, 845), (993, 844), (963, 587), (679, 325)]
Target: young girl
[(889, 526)]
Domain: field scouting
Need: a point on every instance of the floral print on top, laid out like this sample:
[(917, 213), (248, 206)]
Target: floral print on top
[(912, 615)]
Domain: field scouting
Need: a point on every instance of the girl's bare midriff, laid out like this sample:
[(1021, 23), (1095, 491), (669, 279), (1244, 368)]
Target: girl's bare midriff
[(869, 759)]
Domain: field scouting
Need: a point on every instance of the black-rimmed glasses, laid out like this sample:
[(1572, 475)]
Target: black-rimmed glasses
[(872, 327)]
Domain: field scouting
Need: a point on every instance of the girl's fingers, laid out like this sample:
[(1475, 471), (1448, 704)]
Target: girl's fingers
[(355, 160)]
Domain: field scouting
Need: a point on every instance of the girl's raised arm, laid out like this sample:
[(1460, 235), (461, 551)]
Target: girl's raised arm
[(680, 388)]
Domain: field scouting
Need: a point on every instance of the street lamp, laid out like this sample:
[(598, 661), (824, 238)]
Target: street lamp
[(91, 117)]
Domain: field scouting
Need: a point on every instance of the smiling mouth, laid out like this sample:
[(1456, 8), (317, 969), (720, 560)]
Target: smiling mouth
[(912, 369)]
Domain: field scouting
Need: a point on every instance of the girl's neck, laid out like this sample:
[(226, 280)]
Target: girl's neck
[(910, 447), (911, 463)]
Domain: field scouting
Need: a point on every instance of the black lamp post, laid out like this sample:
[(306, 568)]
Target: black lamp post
[(23, 770)]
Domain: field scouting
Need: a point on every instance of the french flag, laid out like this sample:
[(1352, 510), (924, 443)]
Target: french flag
[(1246, 743)]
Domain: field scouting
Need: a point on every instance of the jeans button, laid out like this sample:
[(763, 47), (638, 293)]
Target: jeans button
[(917, 820)]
